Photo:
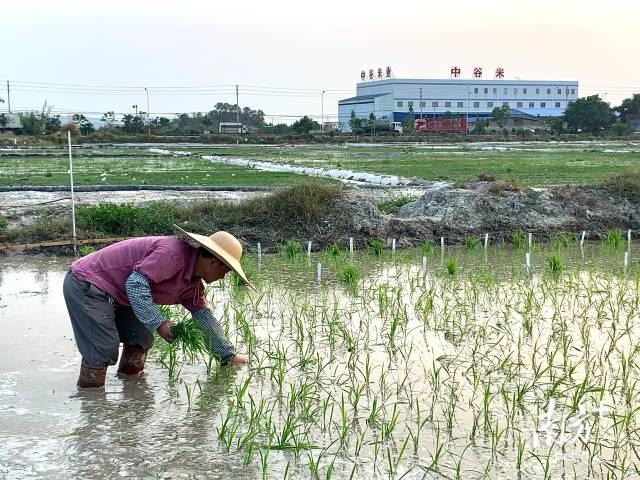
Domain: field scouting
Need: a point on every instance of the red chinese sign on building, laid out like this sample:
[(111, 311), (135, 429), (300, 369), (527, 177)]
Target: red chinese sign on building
[(499, 72), (455, 72), (477, 72), (371, 74), (388, 72)]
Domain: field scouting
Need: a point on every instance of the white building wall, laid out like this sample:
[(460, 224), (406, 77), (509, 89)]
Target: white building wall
[(470, 96)]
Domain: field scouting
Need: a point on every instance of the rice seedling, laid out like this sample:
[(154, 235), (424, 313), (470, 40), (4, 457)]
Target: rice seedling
[(518, 239), (614, 238), (471, 243), (292, 249), (350, 275), (554, 263), (188, 339), (426, 247), (333, 250), (452, 266), (377, 247)]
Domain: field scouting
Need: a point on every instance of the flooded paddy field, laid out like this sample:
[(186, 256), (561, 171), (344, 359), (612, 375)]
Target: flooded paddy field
[(534, 164), (427, 363)]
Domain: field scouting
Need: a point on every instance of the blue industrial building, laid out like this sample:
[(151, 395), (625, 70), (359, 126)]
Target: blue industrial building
[(393, 98)]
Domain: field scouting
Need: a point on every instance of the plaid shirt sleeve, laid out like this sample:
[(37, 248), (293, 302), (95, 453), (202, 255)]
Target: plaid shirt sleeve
[(214, 337), (139, 293)]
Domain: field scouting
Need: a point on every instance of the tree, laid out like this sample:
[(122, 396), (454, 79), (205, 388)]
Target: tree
[(85, 126), (556, 124), (372, 122), (591, 114), (304, 125), (109, 119), (4, 121), (408, 124), (629, 106), (355, 124), (501, 115), (132, 123)]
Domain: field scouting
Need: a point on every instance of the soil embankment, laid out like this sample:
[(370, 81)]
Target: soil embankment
[(329, 214)]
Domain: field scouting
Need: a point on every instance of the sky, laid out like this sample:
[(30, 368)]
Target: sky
[(85, 56)]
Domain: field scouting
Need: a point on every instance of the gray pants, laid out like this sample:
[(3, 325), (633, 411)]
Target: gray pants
[(99, 324)]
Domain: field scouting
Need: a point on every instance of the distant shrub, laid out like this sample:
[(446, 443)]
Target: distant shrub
[(125, 219), (486, 177), (393, 204), (3, 223), (504, 186), (625, 184), (86, 250)]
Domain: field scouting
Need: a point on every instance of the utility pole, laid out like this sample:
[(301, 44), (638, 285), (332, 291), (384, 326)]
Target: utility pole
[(420, 102), (237, 106), (148, 121), (8, 97), (136, 107), (322, 114)]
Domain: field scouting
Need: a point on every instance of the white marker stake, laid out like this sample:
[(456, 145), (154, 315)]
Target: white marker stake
[(530, 240), (319, 273), (73, 198), (424, 264), (309, 249), (441, 242), (629, 238), (351, 245), (527, 260), (626, 260), (582, 238), (259, 252), (486, 240), (393, 246)]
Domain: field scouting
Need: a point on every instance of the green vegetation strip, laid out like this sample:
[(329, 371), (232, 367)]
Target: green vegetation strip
[(159, 170), (547, 164)]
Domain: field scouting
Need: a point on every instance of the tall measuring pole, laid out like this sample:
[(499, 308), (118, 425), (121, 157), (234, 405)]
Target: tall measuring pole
[(322, 114), (148, 121), (420, 102), (73, 198), (8, 97)]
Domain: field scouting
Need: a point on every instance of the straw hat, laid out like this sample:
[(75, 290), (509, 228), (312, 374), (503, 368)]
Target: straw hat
[(225, 247)]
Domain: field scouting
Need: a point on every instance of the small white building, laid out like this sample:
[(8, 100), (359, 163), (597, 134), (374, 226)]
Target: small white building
[(10, 121), (392, 98)]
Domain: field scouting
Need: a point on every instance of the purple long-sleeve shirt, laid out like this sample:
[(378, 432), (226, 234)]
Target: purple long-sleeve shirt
[(168, 264)]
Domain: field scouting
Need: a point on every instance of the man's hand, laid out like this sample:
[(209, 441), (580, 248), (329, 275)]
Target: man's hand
[(238, 360), (164, 331)]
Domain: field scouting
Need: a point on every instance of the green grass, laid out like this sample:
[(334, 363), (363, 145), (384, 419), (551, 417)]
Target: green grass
[(393, 203)]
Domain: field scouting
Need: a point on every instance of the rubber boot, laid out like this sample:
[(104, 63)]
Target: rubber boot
[(92, 377), (132, 360)]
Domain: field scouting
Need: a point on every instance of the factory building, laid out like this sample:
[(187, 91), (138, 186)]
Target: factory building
[(393, 99)]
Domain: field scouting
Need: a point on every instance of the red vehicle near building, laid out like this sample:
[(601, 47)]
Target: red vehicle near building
[(441, 124)]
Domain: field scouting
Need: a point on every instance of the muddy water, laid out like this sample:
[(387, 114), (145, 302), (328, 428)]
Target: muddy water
[(151, 428), (50, 431)]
